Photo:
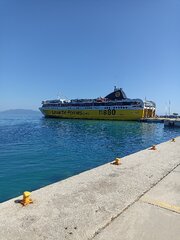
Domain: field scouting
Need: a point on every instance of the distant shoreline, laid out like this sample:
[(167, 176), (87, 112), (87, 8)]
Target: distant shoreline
[(20, 111)]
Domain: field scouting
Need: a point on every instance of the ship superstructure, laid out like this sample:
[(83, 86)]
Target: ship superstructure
[(115, 106)]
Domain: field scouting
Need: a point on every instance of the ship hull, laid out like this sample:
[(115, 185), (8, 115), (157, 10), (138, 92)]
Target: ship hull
[(111, 114)]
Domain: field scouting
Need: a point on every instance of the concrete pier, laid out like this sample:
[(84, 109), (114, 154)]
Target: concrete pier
[(139, 199), (172, 122), (156, 215), (169, 122), (152, 120)]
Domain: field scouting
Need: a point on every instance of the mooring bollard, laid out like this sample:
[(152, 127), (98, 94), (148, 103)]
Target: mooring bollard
[(153, 147), (26, 198), (117, 161)]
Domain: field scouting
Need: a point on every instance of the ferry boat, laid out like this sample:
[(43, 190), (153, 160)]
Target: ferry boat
[(115, 106)]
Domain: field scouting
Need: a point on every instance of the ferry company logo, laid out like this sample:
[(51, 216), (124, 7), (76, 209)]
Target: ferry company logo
[(117, 94)]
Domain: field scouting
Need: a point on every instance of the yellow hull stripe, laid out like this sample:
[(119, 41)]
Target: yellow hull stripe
[(161, 204), (123, 114)]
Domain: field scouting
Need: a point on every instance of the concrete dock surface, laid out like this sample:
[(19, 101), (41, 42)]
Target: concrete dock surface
[(139, 199), (156, 215)]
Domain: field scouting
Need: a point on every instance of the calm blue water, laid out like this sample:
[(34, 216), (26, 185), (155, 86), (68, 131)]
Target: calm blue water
[(35, 151)]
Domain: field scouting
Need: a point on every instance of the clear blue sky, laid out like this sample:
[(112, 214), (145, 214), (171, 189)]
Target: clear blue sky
[(82, 48)]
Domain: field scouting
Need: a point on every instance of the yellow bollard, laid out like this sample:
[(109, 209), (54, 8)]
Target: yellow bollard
[(173, 140), (26, 199), (117, 161), (153, 147)]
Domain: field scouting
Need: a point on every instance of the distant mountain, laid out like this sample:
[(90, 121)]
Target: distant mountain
[(20, 111)]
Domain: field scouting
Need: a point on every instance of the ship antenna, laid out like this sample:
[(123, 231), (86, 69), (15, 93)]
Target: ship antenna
[(63, 97), (58, 96)]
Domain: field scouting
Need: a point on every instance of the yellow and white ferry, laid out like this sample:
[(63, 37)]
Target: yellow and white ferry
[(115, 106)]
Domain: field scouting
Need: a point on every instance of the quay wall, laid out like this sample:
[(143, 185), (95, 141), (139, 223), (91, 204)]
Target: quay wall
[(172, 123), (81, 206)]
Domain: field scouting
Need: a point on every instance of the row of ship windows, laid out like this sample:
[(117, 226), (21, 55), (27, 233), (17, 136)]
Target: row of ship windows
[(117, 108), (92, 105), (106, 108), (55, 105)]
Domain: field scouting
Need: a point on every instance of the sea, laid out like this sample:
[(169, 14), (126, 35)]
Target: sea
[(37, 151)]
